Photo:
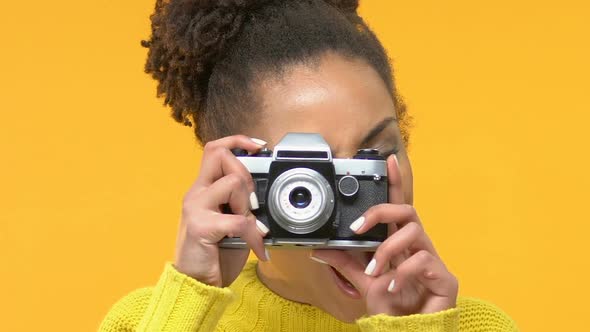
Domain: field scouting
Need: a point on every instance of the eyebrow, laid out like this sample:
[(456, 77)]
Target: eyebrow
[(378, 129)]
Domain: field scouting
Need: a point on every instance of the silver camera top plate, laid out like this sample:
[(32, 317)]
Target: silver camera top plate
[(310, 146)]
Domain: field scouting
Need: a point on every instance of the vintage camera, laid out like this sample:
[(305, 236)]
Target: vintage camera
[(307, 199)]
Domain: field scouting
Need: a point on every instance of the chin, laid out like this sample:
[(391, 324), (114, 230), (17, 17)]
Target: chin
[(325, 288)]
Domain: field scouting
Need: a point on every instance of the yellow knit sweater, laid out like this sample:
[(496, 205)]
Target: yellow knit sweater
[(180, 303)]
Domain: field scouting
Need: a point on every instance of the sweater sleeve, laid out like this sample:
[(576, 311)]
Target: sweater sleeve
[(177, 303), (469, 315)]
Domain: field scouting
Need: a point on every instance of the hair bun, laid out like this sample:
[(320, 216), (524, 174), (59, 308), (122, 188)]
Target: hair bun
[(207, 25), (188, 37), (228, 3)]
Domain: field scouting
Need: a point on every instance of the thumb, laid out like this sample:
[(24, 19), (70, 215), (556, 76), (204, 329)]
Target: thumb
[(344, 263)]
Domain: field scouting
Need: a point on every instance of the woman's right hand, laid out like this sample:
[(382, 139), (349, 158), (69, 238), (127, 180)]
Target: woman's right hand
[(223, 179)]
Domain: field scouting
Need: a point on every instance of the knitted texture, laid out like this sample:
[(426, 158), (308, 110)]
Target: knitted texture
[(180, 303), (447, 320)]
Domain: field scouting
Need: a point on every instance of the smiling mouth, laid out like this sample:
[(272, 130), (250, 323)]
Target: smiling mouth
[(344, 284)]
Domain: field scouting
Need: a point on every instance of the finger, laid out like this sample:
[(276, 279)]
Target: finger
[(394, 180), (218, 160), (253, 236), (230, 189), (226, 164), (409, 239), (236, 141), (399, 214), (429, 271), (211, 227), (346, 264)]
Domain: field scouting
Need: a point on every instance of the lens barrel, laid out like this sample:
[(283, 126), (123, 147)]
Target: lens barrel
[(301, 200)]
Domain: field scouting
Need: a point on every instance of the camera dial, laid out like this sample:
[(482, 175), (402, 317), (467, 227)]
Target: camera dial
[(348, 186)]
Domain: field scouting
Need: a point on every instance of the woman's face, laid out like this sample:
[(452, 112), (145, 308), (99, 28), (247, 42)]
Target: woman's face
[(348, 103)]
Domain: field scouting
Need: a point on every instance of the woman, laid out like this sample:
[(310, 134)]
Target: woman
[(244, 73)]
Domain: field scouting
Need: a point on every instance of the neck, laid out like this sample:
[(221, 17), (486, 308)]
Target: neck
[(260, 308), (293, 289)]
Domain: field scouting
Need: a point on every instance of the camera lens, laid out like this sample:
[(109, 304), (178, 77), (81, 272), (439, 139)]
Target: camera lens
[(300, 200), (300, 197)]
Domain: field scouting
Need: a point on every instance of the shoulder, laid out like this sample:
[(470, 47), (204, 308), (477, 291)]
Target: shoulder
[(479, 315), (127, 312)]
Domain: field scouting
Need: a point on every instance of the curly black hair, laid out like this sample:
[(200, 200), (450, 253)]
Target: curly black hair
[(209, 55)]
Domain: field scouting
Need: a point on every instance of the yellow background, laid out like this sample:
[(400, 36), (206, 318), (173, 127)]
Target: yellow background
[(93, 169)]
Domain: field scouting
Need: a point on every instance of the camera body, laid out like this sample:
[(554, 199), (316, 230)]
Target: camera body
[(308, 199)]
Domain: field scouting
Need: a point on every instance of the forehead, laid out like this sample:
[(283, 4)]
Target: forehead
[(339, 98)]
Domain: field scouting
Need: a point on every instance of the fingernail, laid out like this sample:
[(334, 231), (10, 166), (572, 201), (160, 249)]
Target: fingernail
[(356, 225), (261, 227), (267, 253), (317, 260), (258, 141), (371, 267), (391, 285), (396, 161), (253, 201)]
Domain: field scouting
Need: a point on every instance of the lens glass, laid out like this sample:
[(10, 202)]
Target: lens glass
[(300, 197)]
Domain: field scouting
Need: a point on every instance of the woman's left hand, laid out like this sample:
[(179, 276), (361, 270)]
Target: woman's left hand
[(406, 275)]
